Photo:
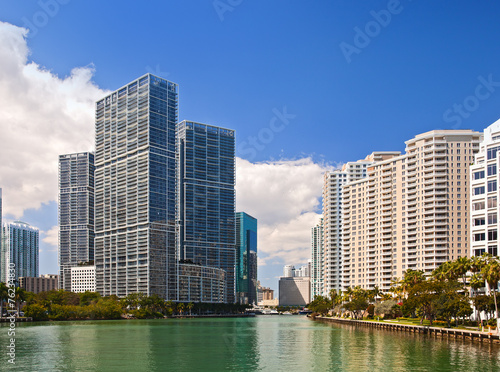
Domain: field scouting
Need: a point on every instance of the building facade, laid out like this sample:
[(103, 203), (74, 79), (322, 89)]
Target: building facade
[(294, 291), (19, 250), (246, 258), (483, 191), (135, 189), (317, 261), (76, 213), (43, 283), (206, 199), (201, 283), (332, 217), (83, 279), (410, 212)]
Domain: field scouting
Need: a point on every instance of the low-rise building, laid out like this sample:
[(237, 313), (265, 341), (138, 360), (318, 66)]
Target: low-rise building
[(42, 283), (294, 291)]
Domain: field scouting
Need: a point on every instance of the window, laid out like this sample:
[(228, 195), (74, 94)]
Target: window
[(492, 186), (479, 221), (492, 202), (479, 237), (492, 218), (478, 190), (492, 235), (479, 175), (492, 169), (493, 250), (492, 153)]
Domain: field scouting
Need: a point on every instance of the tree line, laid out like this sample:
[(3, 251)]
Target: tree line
[(456, 291), (65, 305)]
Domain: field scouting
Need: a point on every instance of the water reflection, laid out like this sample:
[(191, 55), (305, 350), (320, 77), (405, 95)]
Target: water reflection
[(266, 343)]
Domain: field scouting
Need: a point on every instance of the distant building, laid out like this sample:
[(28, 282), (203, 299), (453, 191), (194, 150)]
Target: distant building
[(43, 283), (288, 271), (83, 279), (19, 250), (201, 283), (294, 291), (1, 238), (76, 213), (267, 294), (246, 258), (206, 199), (317, 262)]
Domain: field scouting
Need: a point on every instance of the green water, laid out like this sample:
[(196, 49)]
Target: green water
[(264, 343)]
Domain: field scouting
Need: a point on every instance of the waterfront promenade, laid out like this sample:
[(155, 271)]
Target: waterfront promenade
[(486, 337)]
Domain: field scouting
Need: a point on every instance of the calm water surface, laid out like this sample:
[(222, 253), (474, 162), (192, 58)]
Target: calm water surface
[(264, 343)]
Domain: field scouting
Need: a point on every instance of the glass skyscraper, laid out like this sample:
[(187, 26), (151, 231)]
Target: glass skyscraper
[(19, 250), (246, 258), (76, 213), (206, 198), (135, 189)]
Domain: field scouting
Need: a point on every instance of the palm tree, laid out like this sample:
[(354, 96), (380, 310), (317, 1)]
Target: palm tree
[(19, 297), (180, 307), (491, 274), (190, 307), (460, 267), (4, 295)]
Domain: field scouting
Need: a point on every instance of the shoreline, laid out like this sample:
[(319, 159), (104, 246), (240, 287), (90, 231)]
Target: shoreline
[(473, 336)]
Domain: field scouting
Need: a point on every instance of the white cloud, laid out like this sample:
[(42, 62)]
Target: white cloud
[(51, 238), (285, 197), (41, 117)]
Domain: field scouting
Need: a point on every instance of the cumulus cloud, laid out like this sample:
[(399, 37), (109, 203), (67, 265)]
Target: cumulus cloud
[(41, 117), (285, 198), (51, 238)]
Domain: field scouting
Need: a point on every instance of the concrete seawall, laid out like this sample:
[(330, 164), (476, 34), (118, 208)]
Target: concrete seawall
[(483, 337)]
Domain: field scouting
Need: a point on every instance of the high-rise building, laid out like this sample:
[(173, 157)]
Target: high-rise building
[(76, 213), (19, 250), (288, 271), (483, 191), (246, 258), (410, 212), (135, 189), (332, 216), (317, 260), (83, 278), (206, 199)]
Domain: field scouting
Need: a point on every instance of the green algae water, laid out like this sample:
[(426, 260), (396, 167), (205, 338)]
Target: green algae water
[(263, 343)]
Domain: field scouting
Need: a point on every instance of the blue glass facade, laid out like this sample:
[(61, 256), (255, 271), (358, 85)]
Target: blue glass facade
[(246, 258), (19, 251), (206, 198), (135, 189)]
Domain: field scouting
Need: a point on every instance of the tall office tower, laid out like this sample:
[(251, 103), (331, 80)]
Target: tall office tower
[(206, 198), (484, 207), (411, 211), (135, 189), (288, 271), (76, 213), (246, 258), (19, 250), (317, 260), (332, 216)]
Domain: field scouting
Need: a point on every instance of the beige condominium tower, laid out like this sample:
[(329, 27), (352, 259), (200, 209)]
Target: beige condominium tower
[(410, 212)]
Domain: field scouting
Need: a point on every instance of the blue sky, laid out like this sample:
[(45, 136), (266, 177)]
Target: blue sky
[(243, 65)]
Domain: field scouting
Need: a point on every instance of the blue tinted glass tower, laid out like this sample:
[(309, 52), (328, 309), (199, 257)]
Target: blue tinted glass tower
[(135, 189), (76, 213), (246, 258), (206, 198)]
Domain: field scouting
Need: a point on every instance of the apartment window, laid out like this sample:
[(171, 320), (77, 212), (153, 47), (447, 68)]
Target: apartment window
[(492, 218), (479, 237), (493, 250), (478, 191), (479, 221), (492, 169), (492, 186), (492, 152), (479, 175), (492, 235)]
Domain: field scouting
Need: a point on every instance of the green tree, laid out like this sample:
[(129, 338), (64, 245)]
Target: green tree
[(4, 295), (36, 311), (491, 273)]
